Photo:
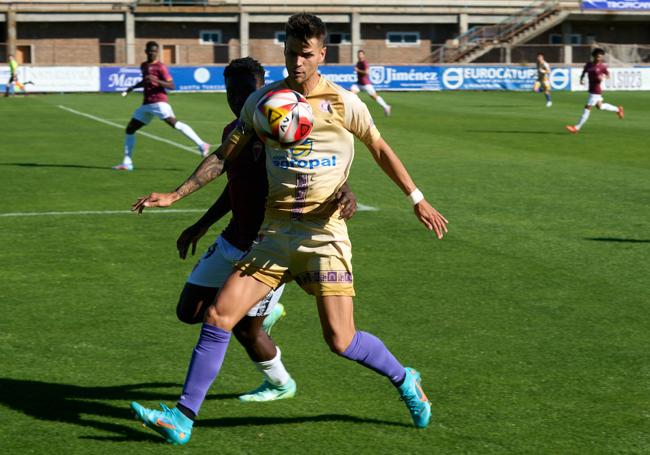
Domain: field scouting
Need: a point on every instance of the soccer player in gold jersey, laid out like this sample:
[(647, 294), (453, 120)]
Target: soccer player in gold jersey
[(303, 237)]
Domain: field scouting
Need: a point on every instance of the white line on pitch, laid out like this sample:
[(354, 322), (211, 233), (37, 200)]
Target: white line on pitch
[(97, 212), (360, 208), (366, 208), (117, 125)]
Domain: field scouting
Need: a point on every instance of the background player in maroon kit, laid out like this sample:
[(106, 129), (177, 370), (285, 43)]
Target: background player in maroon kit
[(156, 80), (597, 72), (244, 195), (362, 68)]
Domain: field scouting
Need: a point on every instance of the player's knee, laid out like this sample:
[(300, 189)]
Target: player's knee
[(186, 314), (337, 344), (215, 317)]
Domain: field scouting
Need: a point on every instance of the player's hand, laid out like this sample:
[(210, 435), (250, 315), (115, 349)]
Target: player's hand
[(190, 236), (347, 202), (431, 218), (153, 200)]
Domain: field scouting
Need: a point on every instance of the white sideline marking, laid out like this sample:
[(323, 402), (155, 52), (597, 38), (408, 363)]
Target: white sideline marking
[(96, 212), (360, 208), (366, 208), (117, 125)]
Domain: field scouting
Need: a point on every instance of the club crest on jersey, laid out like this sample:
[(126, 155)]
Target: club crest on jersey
[(325, 106), (303, 150)]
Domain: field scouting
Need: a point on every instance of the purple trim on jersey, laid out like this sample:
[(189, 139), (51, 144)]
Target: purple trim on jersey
[(155, 93), (363, 65), (324, 277), (595, 71), (302, 185)]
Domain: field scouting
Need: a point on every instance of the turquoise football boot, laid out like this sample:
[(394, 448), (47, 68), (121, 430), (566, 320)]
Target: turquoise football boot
[(274, 316), (416, 401), (171, 424), (270, 392)]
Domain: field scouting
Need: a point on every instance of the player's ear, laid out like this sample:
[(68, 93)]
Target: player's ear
[(322, 53)]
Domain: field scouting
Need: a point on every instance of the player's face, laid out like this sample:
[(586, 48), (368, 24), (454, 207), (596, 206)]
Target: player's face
[(152, 53), (361, 55), (599, 58), (302, 58), (238, 89), (540, 58)]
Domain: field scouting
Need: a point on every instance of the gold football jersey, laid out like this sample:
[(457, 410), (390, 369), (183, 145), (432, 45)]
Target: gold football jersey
[(304, 179)]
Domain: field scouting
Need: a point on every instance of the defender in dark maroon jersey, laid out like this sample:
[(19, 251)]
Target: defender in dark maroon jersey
[(362, 68), (597, 72), (156, 80), (245, 196)]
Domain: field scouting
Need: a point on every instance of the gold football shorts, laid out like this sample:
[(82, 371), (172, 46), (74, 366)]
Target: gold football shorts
[(317, 254)]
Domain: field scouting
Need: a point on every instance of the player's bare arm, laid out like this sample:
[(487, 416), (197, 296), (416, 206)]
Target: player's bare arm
[(169, 85), (393, 168), (192, 234), (209, 169), (134, 86)]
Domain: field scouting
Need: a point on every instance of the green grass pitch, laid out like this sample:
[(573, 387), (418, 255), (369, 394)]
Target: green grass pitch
[(529, 321)]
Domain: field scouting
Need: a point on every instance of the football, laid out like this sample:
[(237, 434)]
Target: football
[(283, 118)]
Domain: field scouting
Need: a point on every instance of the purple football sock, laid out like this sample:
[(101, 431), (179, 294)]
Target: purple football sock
[(206, 362), (369, 351)]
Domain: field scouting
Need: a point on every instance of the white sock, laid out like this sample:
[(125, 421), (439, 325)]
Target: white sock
[(129, 143), (189, 132), (583, 119), (381, 102), (274, 370), (609, 107)]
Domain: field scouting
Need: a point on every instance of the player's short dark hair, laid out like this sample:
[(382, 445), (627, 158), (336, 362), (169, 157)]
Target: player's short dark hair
[(305, 26), (597, 51), (151, 44), (540, 53), (246, 65)]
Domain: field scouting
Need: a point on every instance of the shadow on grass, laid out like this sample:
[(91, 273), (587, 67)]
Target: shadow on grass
[(83, 406), (83, 166), (563, 133), (76, 404), (616, 240), (226, 422)]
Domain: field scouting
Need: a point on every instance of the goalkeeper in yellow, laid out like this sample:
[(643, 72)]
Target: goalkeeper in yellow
[(543, 82), (303, 237)]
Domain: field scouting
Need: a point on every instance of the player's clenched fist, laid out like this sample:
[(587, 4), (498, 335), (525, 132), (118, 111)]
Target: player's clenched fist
[(431, 218), (153, 200)]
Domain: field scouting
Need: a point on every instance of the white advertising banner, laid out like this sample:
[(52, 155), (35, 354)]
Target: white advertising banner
[(621, 78), (60, 78)]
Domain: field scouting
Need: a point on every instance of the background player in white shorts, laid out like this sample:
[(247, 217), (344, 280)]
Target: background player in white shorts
[(362, 68), (596, 72), (156, 79)]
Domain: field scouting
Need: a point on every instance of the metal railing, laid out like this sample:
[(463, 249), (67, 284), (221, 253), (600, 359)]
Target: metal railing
[(504, 31)]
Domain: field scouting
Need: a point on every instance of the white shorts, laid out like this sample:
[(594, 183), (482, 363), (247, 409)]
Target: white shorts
[(594, 99), (368, 88), (216, 265), (147, 112)]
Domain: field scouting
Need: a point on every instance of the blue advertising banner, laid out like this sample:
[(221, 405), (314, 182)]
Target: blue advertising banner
[(383, 77), (500, 78), (634, 5), (210, 78)]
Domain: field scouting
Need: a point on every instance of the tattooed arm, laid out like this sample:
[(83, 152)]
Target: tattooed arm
[(209, 169)]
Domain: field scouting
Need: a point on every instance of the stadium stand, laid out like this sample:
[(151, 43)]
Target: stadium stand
[(77, 32)]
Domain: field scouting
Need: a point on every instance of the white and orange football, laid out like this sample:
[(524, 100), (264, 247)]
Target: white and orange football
[(283, 118)]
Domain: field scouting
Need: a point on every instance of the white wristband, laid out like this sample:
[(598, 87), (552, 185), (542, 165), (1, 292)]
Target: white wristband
[(416, 196)]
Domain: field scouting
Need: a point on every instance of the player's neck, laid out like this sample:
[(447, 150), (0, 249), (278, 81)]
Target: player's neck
[(306, 87)]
